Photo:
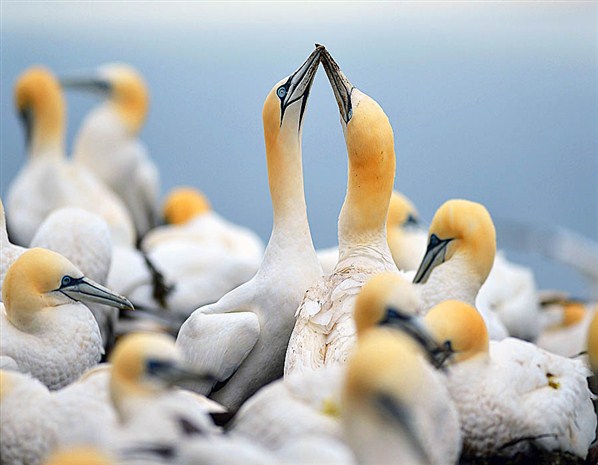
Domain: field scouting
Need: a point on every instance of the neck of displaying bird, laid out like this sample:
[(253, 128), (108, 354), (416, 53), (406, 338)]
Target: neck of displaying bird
[(3, 233), (290, 230), (370, 146), (47, 131)]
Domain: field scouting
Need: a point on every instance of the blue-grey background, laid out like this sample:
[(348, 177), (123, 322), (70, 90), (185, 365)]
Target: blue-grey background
[(493, 102)]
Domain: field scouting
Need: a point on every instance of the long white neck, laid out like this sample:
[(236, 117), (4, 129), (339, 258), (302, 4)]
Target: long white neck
[(453, 279), (291, 237), (101, 130), (3, 234)]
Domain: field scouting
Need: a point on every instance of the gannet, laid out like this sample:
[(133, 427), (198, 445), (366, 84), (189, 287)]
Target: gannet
[(48, 180), (145, 367), (241, 339), (107, 143), (201, 254), (84, 239), (458, 259), (324, 331), (46, 330), (8, 252), (511, 394), (391, 411), (406, 238)]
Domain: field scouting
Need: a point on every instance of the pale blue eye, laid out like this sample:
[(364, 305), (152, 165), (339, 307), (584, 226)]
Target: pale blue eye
[(350, 113), (281, 92), (66, 280)]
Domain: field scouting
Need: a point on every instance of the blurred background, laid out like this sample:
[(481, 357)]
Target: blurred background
[(495, 102)]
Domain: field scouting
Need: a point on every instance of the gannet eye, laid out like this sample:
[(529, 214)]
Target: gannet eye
[(434, 240), (66, 280), (350, 113), (281, 92)]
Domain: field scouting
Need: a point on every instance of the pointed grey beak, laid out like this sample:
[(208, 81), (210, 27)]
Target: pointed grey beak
[(85, 290), (416, 328), (172, 373), (299, 83), (87, 84), (341, 86), (435, 255)]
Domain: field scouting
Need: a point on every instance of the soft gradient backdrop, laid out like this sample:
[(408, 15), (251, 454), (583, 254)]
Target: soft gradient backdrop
[(491, 101)]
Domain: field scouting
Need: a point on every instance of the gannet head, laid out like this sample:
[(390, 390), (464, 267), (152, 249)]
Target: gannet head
[(82, 455), (286, 102), (459, 326), (370, 148), (384, 379), (593, 343), (401, 212), (460, 228), (40, 105), (382, 300), (125, 88), (40, 280), (183, 204), (145, 365)]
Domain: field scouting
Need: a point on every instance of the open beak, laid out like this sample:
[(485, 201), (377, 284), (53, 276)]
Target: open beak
[(173, 373), (85, 290), (341, 86), (87, 84), (435, 255), (416, 328), (299, 83)]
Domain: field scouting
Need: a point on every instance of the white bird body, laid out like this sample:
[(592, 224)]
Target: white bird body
[(36, 421), (8, 252), (107, 144), (521, 391), (65, 345), (510, 292), (324, 333), (304, 404), (259, 315), (328, 259)]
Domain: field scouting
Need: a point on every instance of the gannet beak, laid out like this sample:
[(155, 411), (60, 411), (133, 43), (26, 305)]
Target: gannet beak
[(435, 255), (173, 373), (341, 86), (416, 328), (299, 84), (85, 290), (87, 84)]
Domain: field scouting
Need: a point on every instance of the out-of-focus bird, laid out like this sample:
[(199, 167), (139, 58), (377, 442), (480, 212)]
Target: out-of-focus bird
[(592, 342), (48, 180), (200, 254), (107, 143), (242, 338), (458, 259), (511, 394), (81, 455), (390, 410), (325, 330), (45, 329)]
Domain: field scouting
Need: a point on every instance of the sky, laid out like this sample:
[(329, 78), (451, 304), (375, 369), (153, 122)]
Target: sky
[(495, 102)]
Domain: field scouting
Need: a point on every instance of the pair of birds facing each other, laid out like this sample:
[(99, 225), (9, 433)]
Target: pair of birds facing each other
[(110, 173)]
